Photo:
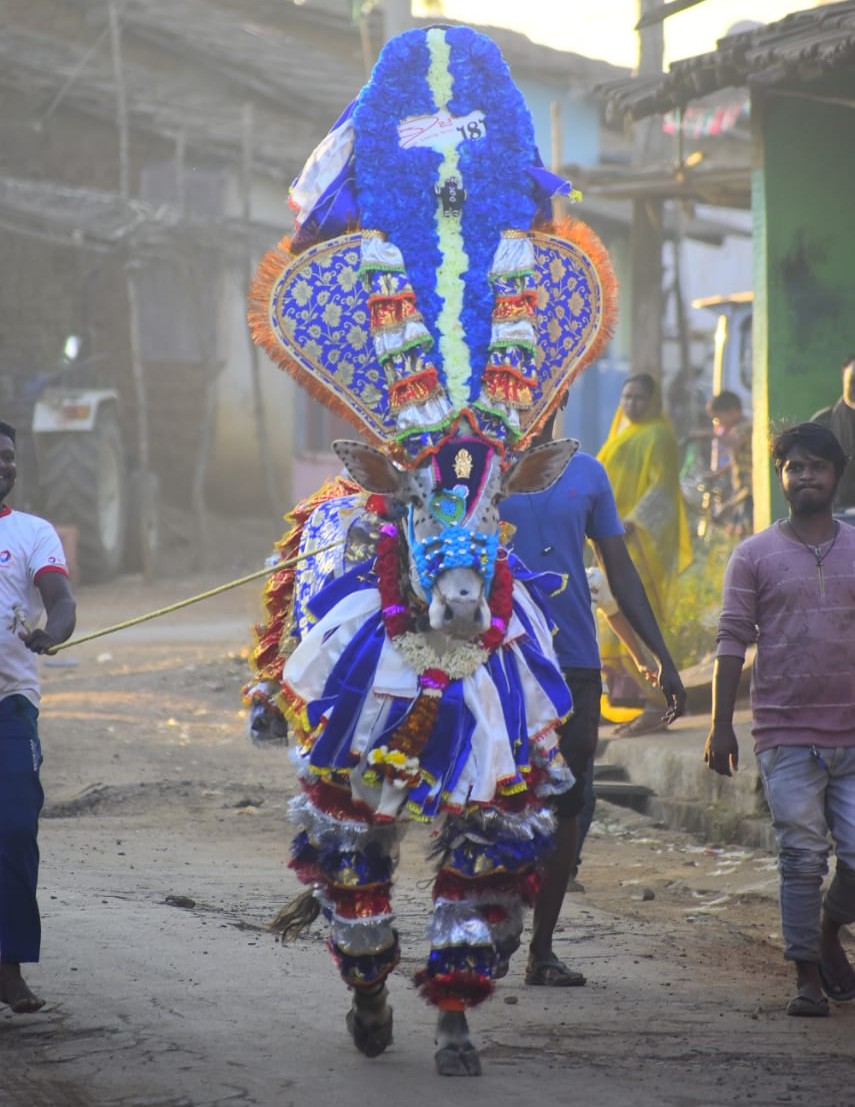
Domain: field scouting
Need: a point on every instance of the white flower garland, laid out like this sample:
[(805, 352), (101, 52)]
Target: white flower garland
[(462, 660)]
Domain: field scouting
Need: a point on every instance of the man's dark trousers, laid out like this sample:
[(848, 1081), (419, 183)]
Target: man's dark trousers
[(21, 799)]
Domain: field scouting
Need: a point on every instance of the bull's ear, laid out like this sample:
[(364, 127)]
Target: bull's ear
[(368, 467), (540, 466)]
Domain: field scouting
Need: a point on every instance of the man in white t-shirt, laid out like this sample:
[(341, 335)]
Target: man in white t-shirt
[(33, 581)]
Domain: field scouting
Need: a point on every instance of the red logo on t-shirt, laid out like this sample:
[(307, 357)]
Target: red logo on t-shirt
[(5, 557)]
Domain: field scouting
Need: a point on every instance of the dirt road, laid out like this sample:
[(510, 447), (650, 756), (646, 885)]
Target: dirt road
[(164, 849)]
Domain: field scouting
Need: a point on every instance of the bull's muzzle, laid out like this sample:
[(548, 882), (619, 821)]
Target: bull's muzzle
[(458, 606)]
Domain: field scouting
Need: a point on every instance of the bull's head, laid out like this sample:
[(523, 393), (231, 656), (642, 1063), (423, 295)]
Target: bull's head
[(451, 505)]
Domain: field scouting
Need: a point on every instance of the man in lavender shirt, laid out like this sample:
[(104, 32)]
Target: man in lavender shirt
[(791, 589)]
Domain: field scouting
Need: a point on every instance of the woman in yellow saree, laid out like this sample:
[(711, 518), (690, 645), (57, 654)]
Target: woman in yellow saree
[(640, 456)]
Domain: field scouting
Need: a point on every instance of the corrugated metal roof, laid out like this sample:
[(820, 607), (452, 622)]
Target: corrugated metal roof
[(699, 228), (100, 221), (283, 67), (172, 104), (799, 48), (298, 75), (716, 184), (297, 86)]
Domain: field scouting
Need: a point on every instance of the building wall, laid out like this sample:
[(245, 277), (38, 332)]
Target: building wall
[(242, 459), (580, 123), (803, 260), (60, 289), (51, 289), (594, 395)]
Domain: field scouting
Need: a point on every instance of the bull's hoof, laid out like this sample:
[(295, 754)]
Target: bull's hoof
[(371, 1033), (457, 1059)]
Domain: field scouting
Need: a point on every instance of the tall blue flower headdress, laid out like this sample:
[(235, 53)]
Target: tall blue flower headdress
[(425, 290)]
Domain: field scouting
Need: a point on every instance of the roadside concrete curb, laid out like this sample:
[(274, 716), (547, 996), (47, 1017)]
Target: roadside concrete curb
[(686, 794)]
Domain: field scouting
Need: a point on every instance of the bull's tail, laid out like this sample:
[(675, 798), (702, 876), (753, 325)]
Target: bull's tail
[(296, 916)]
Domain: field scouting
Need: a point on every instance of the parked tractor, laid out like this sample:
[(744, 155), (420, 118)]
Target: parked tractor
[(74, 469)]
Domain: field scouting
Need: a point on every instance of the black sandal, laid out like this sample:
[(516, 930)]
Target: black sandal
[(552, 973), (805, 1007), (833, 988)]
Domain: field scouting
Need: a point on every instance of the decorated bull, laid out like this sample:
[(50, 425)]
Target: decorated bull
[(427, 297)]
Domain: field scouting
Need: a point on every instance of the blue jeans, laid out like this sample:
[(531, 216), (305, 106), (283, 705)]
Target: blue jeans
[(21, 799), (811, 795)]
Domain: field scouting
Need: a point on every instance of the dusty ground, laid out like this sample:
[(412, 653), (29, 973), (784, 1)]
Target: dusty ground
[(164, 845)]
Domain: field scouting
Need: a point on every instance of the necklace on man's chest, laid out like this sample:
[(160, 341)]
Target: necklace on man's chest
[(819, 554)]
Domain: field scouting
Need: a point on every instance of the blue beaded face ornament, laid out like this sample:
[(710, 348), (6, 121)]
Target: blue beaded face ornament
[(454, 524), (450, 508)]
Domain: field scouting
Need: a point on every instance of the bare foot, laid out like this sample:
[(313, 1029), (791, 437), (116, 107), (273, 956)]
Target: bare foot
[(15, 993)]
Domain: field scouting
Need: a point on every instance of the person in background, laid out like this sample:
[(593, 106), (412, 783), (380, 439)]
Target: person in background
[(33, 578), (640, 457), (791, 590), (733, 431), (551, 532), (840, 420)]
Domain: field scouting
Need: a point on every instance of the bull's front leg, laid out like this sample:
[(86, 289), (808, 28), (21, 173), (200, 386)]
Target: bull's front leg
[(455, 1054), (369, 1020)]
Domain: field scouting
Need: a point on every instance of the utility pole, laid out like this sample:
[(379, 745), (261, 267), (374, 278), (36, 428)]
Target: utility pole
[(647, 234), (397, 17), (261, 433), (138, 376), (557, 158)]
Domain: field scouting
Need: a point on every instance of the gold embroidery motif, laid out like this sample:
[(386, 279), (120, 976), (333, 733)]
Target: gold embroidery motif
[(463, 464)]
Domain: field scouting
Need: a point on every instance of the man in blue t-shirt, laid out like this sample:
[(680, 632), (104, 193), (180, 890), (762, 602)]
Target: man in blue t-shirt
[(551, 531)]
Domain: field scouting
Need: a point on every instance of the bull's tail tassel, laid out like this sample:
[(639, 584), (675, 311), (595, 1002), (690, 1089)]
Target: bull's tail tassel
[(295, 917)]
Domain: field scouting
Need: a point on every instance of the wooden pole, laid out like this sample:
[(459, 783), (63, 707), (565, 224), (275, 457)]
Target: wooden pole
[(557, 152), (138, 376), (647, 234), (397, 17), (274, 497), (121, 99), (180, 182), (193, 277)]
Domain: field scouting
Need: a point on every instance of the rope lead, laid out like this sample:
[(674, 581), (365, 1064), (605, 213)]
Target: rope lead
[(287, 564)]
